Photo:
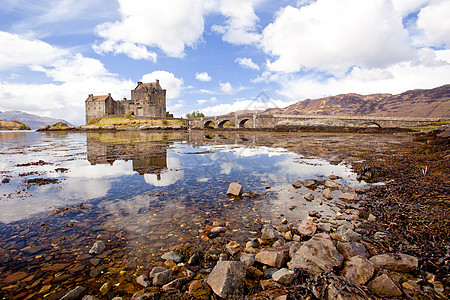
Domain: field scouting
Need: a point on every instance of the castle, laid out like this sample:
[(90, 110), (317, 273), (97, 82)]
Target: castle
[(148, 100)]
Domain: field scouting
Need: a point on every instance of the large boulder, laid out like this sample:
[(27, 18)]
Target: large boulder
[(227, 277), (97, 248), (307, 228), (235, 190), (395, 262), (173, 256), (349, 197), (274, 257), (350, 249), (358, 270), (384, 286), (269, 233), (318, 255), (284, 276), (331, 184)]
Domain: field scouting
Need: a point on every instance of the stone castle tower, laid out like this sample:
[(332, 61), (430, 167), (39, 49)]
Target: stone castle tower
[(148, 100)]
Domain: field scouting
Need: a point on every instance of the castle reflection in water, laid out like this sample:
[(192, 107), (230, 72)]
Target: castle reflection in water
[(147, 156)]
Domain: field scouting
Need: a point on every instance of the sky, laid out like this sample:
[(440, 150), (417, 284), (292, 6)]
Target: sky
[(216, 56)]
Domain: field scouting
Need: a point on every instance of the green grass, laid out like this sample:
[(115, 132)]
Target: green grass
[(127, 123), (430, 127)]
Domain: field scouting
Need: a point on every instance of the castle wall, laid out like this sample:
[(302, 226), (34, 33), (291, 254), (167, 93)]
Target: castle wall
[(147, 101)]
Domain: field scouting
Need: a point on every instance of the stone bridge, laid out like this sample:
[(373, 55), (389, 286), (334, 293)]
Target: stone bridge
[(272, 121)]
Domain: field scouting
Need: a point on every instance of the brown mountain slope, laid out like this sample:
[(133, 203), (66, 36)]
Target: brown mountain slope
[(433, 103)]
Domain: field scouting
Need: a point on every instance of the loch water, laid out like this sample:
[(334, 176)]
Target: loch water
[(143, 193)]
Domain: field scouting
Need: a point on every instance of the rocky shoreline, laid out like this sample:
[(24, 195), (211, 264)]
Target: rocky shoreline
[(364, 251), (318, 258)]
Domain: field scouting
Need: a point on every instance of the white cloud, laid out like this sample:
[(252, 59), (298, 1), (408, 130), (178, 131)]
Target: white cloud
[(167, 80), (74, 77), (131, 50), (17, 51), (202, 76), (405, 7), (394, 79), (334, 35), (168, 25), (226, 108), (240, 26), (167, 177), (434, 20), (247, 63), (226, 88), (203, 101)]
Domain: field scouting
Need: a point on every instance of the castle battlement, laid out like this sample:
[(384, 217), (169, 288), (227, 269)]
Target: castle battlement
[(148, 100)]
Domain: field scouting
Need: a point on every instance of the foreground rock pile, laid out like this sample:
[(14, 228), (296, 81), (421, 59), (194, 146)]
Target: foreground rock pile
[(301, 260)]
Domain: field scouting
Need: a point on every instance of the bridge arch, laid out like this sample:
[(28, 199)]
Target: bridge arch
[(371, 123), (223, 122), (209, 124), (242, 122)]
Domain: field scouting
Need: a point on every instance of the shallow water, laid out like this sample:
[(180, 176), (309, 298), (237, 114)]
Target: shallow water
[(145, 192)]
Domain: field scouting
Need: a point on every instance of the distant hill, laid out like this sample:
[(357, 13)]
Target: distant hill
[(35, 122), (432, 103), (13, 125)]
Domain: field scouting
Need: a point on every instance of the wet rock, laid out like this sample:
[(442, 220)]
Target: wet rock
[(395, 262), (349, 197), (274, 257), (163, 277), (173, 256), (325, 227), (331, 184), (384, 286), (105, 288), (234, 189), (318, 254), (310, 184), (253, 243), (254, 273), (55, 267), (307, 228), (218, 229), (371, 218), (198, 290), (155, 271), (75, 294), (247, 259), (326, 193), (288, 236), (309, 197), (97, 248), (15, 277), (293, 248), (269, 233), (142, 280), (227, 277), (90, 297), (333, 177), (358, 270), (314, 214), (174, 285), (297, 184), (233, 247), (350, 249), (284, 276), (345, 233), (334, 160), (268, 273)]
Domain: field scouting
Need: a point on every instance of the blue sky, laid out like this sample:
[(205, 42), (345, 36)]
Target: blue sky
[(216, 56)]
